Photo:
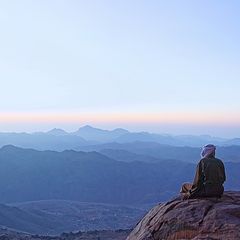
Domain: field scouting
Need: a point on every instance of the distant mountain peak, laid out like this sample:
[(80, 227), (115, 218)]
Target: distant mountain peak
[(87, 127), (57, 132), (100, 135), (122, 130)]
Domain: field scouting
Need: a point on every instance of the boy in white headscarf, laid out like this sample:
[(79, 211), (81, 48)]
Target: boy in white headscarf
[(209, 176)]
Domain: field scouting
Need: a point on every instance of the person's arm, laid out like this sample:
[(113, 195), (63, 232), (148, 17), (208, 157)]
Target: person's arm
[(197, 178), (224, 174)]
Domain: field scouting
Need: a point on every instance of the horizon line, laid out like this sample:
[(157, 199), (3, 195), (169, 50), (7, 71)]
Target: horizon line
[(112, 129)]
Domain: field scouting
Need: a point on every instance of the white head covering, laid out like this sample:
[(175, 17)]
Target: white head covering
[(208, 150)]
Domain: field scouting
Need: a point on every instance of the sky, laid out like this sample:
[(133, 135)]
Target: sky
[(160, 66)]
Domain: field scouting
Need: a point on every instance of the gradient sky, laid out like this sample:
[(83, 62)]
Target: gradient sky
[(161, 66)]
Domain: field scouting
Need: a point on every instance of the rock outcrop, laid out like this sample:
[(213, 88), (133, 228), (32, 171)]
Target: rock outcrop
[(209, 218)]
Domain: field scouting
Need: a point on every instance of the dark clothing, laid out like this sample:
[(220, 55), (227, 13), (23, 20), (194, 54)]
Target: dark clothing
[(209, 178)]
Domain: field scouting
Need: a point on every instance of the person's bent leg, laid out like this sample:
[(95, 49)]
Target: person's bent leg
[(185, 190)]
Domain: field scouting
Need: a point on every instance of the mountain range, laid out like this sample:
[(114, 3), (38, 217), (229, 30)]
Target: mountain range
[(152, 151), (94, 179), (59, 140), (31, 175)]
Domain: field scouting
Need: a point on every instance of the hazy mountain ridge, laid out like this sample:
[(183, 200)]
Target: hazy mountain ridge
[(27, 175), (127, 156), (157, 151), (59, 140), (34, 178), (42, 141), (30, 175), (95, 134)]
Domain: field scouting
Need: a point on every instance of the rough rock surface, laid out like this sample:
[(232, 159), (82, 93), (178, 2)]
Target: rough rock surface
[(208, 218)]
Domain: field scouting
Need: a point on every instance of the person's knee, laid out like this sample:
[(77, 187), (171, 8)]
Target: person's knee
[(185, 187)]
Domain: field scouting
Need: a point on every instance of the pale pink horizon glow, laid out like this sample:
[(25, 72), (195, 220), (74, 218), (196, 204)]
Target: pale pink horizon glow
[(118, 118)]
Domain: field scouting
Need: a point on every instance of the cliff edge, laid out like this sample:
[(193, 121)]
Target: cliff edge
[(208, 218)]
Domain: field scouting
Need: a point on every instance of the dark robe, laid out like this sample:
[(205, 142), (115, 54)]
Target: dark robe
[(209, 178)]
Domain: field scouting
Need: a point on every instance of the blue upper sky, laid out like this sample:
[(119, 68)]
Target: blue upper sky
[(128, 57)]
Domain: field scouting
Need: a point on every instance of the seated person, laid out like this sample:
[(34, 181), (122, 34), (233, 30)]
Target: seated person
[(209, 176)]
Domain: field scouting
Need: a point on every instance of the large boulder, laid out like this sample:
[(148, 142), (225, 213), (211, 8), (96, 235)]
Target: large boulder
[(208, 218)]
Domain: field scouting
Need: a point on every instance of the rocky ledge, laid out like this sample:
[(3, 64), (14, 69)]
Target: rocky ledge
[(208, 218)]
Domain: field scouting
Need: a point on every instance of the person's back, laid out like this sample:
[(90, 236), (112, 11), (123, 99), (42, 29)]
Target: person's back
[(213, 176), (209, 176)]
